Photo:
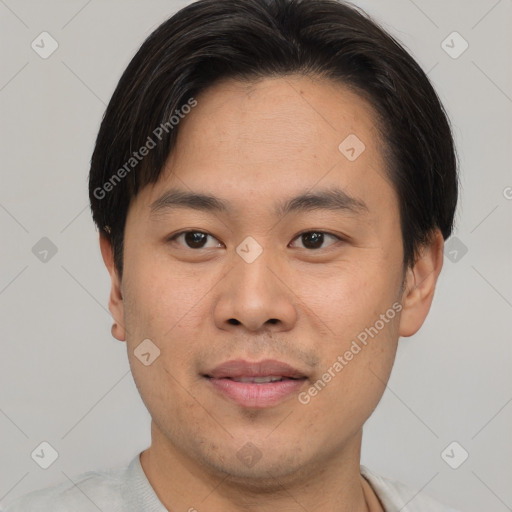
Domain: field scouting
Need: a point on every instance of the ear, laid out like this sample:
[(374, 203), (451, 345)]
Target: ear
[(419, 285), (115, 302)]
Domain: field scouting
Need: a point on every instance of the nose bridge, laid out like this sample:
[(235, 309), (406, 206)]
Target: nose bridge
[(254, 275), (253, 294)]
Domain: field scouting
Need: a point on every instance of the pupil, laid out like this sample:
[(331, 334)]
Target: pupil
[(195, 239), (313, 240)]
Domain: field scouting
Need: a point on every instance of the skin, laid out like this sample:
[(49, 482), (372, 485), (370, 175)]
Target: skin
[(254, 145)]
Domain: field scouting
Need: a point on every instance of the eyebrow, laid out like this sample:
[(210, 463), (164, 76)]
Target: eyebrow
[(325, 199)]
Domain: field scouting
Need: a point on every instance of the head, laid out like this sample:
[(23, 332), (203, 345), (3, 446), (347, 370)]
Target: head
[(312, 163)]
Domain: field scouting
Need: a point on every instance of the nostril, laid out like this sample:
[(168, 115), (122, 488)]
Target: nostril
[(233, 321)]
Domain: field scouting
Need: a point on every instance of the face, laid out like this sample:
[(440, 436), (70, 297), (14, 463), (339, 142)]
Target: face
[(291, 269)]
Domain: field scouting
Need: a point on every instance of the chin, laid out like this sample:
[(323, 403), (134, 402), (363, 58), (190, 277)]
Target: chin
[(257, 469)]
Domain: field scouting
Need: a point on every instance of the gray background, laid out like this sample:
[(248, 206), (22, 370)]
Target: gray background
[(67, 382)]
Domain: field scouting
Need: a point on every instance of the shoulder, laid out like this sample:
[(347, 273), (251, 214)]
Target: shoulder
[(392, 493), (90, 491)]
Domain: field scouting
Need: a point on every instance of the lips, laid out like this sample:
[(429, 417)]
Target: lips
[(257, 385), (239, 369)]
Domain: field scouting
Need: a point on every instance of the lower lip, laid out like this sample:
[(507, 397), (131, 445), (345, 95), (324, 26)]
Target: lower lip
[(250, 394)]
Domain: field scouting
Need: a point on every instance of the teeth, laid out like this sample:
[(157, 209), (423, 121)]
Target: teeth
[(258, 380)]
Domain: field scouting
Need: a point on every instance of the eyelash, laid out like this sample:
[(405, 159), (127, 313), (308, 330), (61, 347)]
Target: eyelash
[(177, 235)]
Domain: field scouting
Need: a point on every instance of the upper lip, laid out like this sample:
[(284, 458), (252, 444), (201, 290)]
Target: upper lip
[(237, 368)]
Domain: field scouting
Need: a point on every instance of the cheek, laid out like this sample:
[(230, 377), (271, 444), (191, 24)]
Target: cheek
[(163, 298), (350, 298), (352, 380), (359, 306), (166, 309)]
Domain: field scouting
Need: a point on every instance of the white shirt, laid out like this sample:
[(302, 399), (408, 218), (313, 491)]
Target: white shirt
[(127, 489)]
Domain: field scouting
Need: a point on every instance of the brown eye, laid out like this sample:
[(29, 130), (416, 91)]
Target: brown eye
[(315, 239), (193, 239)]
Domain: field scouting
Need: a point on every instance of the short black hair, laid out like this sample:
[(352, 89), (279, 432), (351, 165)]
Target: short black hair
[(211, 40)]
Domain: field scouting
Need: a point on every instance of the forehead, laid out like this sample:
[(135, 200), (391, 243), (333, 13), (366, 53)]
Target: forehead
[(284, 114), (274, 136)]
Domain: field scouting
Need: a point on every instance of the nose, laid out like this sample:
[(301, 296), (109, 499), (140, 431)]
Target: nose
[(256, 296)]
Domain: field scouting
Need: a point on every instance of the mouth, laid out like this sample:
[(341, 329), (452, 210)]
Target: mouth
[(257, 385), (261, 380)]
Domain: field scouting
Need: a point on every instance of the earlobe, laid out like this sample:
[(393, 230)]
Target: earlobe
[(115, 303), (420, 284)]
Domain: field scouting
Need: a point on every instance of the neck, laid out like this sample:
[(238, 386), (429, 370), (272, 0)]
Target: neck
[(185, 483)]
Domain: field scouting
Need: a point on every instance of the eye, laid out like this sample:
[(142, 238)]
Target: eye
[(194, 239), (315, 239)]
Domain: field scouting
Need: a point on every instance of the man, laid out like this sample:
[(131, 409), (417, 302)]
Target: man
[(273, 182)]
